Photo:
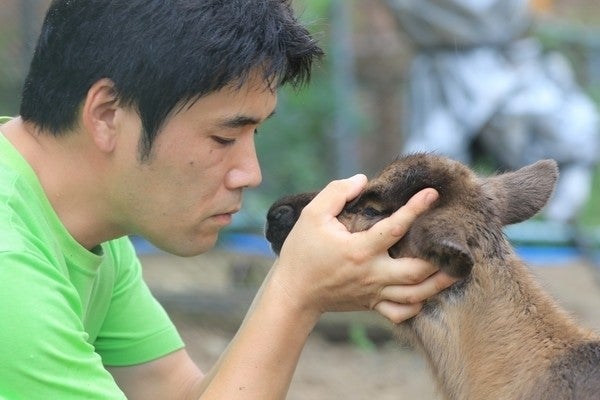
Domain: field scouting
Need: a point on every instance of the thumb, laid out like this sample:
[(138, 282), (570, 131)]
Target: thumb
[(336, 194)]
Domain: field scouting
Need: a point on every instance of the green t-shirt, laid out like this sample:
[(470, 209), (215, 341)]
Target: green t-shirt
[(65, 312)]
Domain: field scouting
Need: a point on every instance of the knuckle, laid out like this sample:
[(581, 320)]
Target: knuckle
[(310, 211), (411, 209), (359, 256), (400, 222), (416, 270), (412, 298), (412, 278)]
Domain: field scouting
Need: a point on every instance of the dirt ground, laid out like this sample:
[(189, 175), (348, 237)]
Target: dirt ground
[(199, 295)]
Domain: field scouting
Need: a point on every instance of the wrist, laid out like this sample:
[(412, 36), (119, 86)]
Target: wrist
[(288, 305), (266, 348)]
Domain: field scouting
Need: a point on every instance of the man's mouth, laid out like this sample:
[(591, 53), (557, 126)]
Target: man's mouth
[(225, 218)]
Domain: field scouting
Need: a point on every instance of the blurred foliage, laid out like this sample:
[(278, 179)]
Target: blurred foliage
[(590, 215), (294, 146)]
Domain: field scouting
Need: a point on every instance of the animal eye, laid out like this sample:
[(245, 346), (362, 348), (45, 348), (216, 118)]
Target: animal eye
[(371, 212)]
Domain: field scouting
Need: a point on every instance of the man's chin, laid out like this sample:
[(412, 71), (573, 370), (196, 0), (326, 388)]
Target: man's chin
[(189, 248)]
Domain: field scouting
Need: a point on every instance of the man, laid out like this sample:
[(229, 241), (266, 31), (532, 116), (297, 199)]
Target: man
[(139, 117)]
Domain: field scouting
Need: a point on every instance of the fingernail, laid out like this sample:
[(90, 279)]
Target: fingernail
[(358, 178), (431, 197)]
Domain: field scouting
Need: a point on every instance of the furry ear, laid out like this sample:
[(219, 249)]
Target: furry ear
[(453, 257), (436, 239), (519, 195)]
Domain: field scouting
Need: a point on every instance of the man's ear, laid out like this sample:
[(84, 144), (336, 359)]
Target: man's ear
[(98, 114)]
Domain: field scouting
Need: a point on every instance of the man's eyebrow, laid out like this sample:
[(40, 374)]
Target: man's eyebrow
[(243, 120)]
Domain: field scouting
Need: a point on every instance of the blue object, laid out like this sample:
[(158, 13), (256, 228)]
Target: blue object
[(247, 243), (548, 256)]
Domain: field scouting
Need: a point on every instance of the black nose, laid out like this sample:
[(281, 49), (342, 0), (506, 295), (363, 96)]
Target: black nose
[(282, 215), (280, 220)]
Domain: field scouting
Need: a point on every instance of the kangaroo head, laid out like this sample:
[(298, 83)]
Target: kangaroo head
[(469, 213)]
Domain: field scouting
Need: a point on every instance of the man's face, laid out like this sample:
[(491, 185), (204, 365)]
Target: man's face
[(192, 183)]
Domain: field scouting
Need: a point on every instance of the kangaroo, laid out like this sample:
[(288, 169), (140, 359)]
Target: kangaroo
[(496, 334)]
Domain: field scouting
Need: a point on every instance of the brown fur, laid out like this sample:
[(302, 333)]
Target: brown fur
[(496, 334)]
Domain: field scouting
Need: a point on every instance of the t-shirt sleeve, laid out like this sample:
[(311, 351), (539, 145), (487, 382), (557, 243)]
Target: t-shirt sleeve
[(136, 328), (44, 350)]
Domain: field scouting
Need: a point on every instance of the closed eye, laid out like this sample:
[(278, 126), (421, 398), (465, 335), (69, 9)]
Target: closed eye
[(371, 212), (223, 140)]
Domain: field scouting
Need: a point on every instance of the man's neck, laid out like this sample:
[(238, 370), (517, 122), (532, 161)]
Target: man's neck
[(69, 172)]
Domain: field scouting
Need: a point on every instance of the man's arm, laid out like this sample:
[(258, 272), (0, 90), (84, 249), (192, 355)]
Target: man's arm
[(258, 363), (337, 271), (174, 376)]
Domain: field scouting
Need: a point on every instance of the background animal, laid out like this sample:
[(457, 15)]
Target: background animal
[(496, 334)]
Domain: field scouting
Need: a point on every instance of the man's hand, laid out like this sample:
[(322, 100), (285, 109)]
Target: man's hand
[(323, 267)]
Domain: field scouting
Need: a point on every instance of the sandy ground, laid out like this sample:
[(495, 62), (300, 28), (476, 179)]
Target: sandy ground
[(199, 295)]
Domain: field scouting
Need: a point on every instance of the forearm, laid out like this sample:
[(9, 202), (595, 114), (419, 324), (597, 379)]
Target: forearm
[(260, 361), (335, 271)]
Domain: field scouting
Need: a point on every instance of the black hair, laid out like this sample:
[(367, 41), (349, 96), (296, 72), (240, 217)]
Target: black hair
[(160, 54)]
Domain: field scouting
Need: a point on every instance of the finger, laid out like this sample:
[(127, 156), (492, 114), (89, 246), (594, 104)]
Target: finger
[(388, 231), (406, 271), (401, 220), (414, 294), (397, 313), (336, 194)]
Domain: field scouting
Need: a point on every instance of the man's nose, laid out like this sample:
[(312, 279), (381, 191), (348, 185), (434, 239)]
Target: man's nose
[(246, 171)]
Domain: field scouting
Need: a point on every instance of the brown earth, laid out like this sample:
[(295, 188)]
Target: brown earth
[(207, 306)]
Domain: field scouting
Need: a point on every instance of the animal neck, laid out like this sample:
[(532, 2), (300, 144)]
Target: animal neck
[(495, 334)]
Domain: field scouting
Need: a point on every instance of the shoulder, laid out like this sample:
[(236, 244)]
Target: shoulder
[(121, 255)]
